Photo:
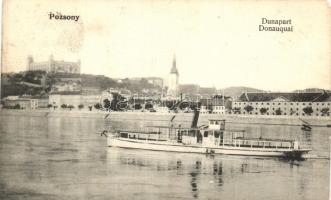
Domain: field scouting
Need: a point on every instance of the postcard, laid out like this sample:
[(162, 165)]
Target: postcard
[(165, 99)]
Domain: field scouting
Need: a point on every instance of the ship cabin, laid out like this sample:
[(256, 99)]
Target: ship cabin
[(215, 135), (212, 135)]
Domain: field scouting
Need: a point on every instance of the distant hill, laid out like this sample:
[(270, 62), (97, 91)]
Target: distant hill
[(38, 83), (312, 90), (237, 91)]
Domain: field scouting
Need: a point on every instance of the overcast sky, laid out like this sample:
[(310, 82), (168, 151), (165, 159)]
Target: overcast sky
[(217, 43)]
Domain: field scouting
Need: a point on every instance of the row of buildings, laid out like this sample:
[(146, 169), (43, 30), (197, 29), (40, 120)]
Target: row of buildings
[(69, 91), (293, 104), (288, 104)]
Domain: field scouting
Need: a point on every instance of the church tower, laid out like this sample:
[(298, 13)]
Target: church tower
[(173, 80)]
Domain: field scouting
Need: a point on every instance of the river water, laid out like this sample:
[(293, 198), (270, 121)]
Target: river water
[(66, 158)]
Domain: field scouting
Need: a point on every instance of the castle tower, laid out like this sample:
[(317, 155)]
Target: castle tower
[(30, 61), (173, 80)]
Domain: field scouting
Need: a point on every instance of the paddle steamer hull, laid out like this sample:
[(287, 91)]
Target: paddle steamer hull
[(226, 150)]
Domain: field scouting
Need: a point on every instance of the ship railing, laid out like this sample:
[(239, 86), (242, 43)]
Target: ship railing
[(248, 143), (153, 136)]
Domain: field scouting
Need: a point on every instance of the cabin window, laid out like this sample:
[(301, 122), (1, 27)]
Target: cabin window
[(216, 134), (124, 135), (205, 134)]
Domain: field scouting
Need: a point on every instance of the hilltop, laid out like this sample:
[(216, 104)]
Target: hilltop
[(238, 90), (39, 83)]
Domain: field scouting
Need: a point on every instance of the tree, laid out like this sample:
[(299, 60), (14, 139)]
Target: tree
[(114, 101), (106, 103), (71, 107), (49, 105), (64, 106), (278, 111), (80, 106), (308, 110), (149, 105), (90, 108), (184, 105), (122, 105), (171, 104), (98, 106), (137, 106), (263, 111), (248, 108), (228, 104), (17, 106), (325, 111)]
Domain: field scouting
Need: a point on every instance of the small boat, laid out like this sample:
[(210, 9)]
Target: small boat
[(211, 139), (305, 127)]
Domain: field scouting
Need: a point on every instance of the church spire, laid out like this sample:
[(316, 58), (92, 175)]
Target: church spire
[(174, 67)]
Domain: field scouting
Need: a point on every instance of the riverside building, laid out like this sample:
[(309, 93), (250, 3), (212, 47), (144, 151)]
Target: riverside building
[(290, 104)]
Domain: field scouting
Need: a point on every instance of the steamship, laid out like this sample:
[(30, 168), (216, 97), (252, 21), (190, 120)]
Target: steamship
[(213, 138)]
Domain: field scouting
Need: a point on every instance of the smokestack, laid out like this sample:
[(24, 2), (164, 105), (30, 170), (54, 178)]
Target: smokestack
[(196, 116)]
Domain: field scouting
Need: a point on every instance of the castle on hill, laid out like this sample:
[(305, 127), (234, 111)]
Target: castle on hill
[(54, 66)]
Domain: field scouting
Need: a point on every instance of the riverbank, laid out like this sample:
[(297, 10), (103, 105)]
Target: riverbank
[(183, 118)]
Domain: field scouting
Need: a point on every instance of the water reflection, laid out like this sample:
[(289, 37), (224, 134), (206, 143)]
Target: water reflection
[(202, 172)]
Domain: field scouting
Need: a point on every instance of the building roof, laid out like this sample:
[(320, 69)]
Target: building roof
[(296, 97), (212, 102), (66, 93)]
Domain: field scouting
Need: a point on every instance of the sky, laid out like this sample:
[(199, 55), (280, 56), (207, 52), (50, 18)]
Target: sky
[(216, 43)]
